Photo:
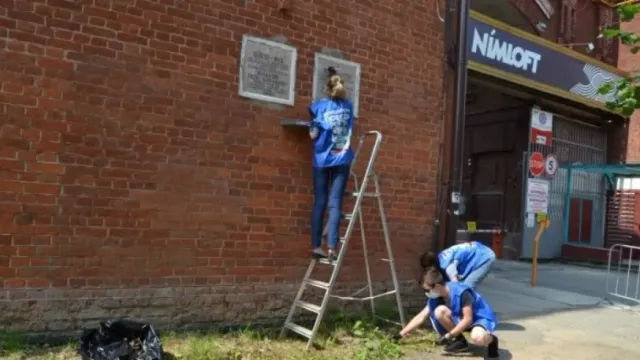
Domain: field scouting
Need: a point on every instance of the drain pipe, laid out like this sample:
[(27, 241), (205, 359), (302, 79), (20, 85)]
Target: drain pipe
[(447, 63), (456, 200)]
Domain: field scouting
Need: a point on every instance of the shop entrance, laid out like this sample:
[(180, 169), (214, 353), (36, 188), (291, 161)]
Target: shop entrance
[(496, 172)]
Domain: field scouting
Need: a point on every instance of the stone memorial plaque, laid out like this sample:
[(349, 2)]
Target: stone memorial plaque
[(267, 70), (348, 70)]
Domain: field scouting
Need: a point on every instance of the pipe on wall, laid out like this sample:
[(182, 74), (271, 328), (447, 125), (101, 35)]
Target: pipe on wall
[(455, 199), (447, 64)]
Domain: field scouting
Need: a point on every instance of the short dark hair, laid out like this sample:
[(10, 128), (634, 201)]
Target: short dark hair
[(432, 276), (429, 259)]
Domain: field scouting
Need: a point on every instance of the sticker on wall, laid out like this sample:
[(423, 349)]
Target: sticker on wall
[(536, 164), (550, 165), (541, 127), (531, 220)]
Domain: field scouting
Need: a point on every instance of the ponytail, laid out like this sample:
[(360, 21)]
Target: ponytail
[(335, 85)]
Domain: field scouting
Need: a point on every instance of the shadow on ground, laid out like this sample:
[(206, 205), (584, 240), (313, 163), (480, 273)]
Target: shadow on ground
[(507, 326), (478, 352)]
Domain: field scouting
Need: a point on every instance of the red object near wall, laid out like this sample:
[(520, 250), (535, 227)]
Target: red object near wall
[(497, 244)]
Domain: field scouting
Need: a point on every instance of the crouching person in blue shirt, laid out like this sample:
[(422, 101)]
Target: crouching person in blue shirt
[(455, 308), (468, 262)]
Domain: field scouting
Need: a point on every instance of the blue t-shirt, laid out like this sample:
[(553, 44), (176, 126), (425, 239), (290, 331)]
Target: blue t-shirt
[(470, 256), (334, 121)]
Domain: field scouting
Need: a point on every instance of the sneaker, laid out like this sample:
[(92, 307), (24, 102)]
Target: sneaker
[(457, 344), (332, 255), (318, 253), (492, 349)]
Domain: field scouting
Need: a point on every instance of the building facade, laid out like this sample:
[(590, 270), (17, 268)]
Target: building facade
[(533, 110), (135, 180), (630, 62)]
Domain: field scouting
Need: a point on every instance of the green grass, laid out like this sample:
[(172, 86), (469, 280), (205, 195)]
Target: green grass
[(342, 336)]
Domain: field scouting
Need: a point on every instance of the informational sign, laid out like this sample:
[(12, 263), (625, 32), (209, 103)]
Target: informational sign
[(550, 165), (531, 220), (537, 196), (267, 70), (348, 70), (536, 164), (541, 127)]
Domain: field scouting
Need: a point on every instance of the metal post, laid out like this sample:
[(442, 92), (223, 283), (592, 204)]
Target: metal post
[(457, 146), (567, 204)]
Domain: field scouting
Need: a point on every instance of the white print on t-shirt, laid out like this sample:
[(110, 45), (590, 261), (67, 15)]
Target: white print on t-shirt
[(339, 122), (448, 252)]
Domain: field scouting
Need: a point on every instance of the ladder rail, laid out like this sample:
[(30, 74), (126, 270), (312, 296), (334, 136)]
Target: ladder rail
[(387, 240), (347, 236), (365, 252), (301, 290), (360, 194)]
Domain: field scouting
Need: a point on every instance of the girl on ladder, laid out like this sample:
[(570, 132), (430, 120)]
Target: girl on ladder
[(330, 129)]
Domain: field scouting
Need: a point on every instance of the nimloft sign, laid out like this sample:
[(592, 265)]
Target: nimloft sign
[(525, 57), (490, 46)]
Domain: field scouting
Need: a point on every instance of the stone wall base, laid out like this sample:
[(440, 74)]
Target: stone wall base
[(55, 313)]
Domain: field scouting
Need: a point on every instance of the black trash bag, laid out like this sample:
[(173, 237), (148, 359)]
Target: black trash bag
[(121, 340)]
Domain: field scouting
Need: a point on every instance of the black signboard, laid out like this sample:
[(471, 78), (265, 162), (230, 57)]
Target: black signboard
[(516, 55)]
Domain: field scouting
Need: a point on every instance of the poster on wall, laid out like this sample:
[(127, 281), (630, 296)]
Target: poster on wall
[(267, 71), (541, 127), (537, 196)]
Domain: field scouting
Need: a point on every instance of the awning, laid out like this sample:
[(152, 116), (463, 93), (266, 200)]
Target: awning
[(611, 171)]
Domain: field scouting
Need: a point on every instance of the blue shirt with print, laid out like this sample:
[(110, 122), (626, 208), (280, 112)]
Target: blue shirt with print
[(469, 255), (334, 121)]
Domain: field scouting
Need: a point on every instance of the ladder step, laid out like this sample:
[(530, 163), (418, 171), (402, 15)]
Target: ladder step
[(347, 216), (298, 329), (327, 262), (366, 194), (317, 283), (308, 306)]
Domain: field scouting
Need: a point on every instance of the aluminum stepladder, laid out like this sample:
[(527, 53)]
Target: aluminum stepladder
[(359, 195)]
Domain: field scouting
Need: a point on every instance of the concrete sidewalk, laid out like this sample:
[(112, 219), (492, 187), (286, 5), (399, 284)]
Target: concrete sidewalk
[(565, 317)]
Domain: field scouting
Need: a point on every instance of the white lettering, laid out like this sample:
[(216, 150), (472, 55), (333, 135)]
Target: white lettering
[(491, 47)]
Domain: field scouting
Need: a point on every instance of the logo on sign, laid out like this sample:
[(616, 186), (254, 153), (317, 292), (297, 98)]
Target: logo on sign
[(536, 164), (493, 48), (551, 165), (542, 118)]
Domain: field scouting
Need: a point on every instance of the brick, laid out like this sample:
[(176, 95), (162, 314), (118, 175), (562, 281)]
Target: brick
[(46, 168)]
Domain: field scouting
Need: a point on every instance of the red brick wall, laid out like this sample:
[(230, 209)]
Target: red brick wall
[(630, 62), (134, 181), (573, 22)]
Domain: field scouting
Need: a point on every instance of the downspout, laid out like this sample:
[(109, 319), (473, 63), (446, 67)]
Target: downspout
[(447, 63), (455, 201)]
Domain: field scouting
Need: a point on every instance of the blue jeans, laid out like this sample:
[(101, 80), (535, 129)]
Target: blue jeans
[(329, 184), (476, 276)]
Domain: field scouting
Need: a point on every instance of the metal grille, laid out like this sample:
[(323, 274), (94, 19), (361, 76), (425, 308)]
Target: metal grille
[(574, 142)]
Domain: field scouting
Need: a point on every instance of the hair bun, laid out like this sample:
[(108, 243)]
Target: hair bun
[(332, 71)]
